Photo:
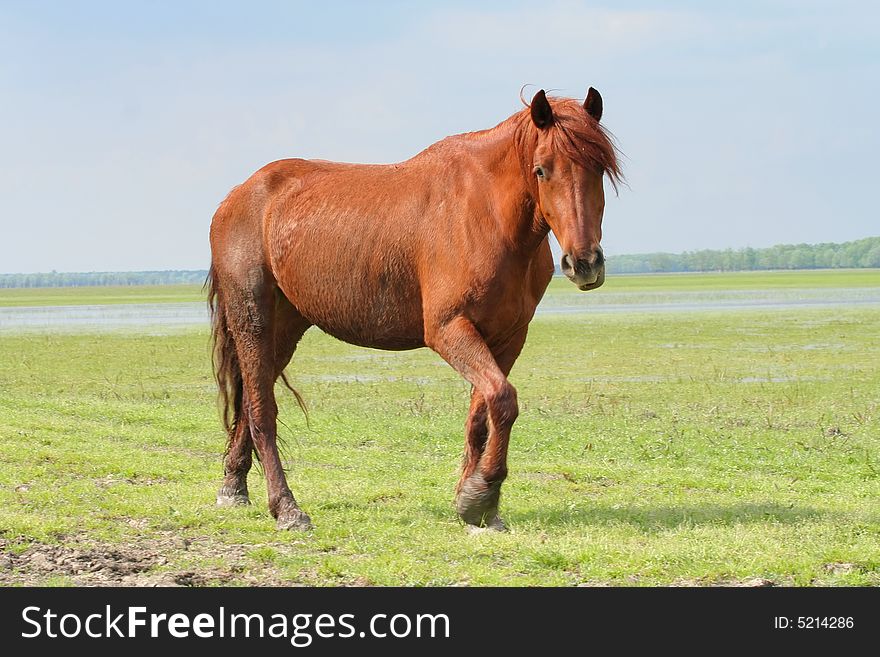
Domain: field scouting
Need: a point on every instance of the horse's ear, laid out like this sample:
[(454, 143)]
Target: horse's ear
[(542, 113), (593, 104)]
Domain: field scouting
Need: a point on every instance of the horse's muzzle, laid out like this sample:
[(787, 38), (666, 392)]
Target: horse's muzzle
[(587, 273)]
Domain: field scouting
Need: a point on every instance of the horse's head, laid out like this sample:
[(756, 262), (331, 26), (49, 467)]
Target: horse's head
[(571, 156)]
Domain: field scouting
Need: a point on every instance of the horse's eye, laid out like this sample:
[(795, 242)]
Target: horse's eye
[(539, 171)]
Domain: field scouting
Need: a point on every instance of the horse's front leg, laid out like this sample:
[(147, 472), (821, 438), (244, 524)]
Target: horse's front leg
[(476, 433), (479, 491)]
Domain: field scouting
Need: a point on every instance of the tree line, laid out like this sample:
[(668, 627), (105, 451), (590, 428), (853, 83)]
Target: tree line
[(77, 279), (847, 255)]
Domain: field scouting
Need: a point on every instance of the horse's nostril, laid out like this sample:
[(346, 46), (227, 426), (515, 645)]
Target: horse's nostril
[(567, 265), (600, 258)]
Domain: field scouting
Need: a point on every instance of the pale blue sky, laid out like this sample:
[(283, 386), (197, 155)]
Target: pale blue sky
[(124, 124)]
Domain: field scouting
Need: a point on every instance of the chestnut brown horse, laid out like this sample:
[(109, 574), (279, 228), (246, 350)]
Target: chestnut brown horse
[(447, 250)]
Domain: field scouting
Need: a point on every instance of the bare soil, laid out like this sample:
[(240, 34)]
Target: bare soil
[(141, 562)]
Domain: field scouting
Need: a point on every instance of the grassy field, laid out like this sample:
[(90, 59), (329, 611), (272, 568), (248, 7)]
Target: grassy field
[(674, 448), (76, 296)]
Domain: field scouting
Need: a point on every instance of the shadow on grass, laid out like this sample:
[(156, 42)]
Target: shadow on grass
[(655, 518)]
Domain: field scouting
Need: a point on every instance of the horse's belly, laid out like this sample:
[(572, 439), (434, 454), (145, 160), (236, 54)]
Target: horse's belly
[(388, 342), (350, 272), (379, 322), (383, 312)]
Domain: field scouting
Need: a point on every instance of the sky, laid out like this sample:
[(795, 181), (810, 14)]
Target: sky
[(123, 125)]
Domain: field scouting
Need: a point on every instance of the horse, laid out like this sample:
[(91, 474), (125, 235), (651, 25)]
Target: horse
[(447, 250)]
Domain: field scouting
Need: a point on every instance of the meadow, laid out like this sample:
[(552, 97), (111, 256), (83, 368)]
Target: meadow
[(735, 447)]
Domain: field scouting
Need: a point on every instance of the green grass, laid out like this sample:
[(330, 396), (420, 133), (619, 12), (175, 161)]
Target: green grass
[(744, 280), (691, 448)]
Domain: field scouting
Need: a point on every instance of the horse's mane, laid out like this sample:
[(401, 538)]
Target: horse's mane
[(574, 133)]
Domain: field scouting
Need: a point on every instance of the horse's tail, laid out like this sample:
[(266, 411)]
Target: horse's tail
[(227, 371)]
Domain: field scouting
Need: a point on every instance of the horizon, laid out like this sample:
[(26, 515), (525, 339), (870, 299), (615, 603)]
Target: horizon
[(741, 127), (556, 269)]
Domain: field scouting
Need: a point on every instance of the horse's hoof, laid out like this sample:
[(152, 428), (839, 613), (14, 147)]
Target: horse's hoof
[(477, 501), (232, 499), (494, 525), (294, 520)]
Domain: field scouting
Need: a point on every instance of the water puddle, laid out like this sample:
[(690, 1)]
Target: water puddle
[(147, 316), (166, 317)]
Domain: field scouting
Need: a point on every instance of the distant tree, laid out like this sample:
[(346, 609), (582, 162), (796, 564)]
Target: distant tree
[(861, 253), (68, 279), (662, 262), (871, 258), (824, 256), (801, 258)]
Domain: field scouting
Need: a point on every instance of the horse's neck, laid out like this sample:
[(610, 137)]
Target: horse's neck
[(517, 217)]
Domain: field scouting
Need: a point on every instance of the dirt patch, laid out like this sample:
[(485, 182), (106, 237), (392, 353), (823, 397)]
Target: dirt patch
[(748, 582), (754, 582), (841, 568), (142, 562), (85, 565)]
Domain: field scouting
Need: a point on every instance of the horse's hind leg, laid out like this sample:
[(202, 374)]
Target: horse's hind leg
[(251, 316), (289, 327), (236, 465)]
